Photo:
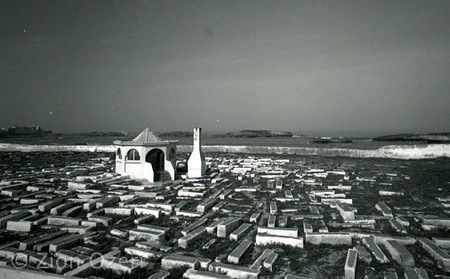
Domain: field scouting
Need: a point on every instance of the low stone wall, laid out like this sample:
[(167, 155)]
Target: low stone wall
[(328, 238), (264, 239)]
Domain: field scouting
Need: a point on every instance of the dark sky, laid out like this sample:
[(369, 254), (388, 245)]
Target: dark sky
[(380, 66)]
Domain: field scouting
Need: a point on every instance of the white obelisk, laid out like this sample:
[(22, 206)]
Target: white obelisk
[(196, 162)]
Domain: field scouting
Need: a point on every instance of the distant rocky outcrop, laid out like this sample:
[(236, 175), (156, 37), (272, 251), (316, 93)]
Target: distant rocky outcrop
[(258, 134), (23, 131), (429, 138), (177, 134)]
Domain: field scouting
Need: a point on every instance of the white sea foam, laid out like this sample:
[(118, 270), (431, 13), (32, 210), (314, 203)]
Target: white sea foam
[(422, 151)]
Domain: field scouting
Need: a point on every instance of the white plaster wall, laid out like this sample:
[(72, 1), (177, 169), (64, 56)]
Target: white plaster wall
[(196, 162), (133, 168)]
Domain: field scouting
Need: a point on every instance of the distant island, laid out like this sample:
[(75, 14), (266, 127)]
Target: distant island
[(429, 138), (178, 134), (24, 131), (259, 134)]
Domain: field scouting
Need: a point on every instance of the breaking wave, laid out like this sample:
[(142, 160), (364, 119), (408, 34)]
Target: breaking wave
[(425, 151)]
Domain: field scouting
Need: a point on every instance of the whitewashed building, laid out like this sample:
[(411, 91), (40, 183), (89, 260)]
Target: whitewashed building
[(146, 157)]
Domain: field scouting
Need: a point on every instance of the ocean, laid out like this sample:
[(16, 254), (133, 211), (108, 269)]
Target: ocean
[(296, 141)]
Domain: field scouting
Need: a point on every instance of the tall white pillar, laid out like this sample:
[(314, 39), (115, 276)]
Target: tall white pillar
[(196, 162)]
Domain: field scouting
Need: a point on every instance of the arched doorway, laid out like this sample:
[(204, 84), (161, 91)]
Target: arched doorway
[(156, 158)]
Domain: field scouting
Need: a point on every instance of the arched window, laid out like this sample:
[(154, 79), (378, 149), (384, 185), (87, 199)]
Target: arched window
[(119, 153), (133, 155)]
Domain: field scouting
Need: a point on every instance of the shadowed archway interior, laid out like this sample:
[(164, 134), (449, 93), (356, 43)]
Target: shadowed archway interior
[(156, 158)]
